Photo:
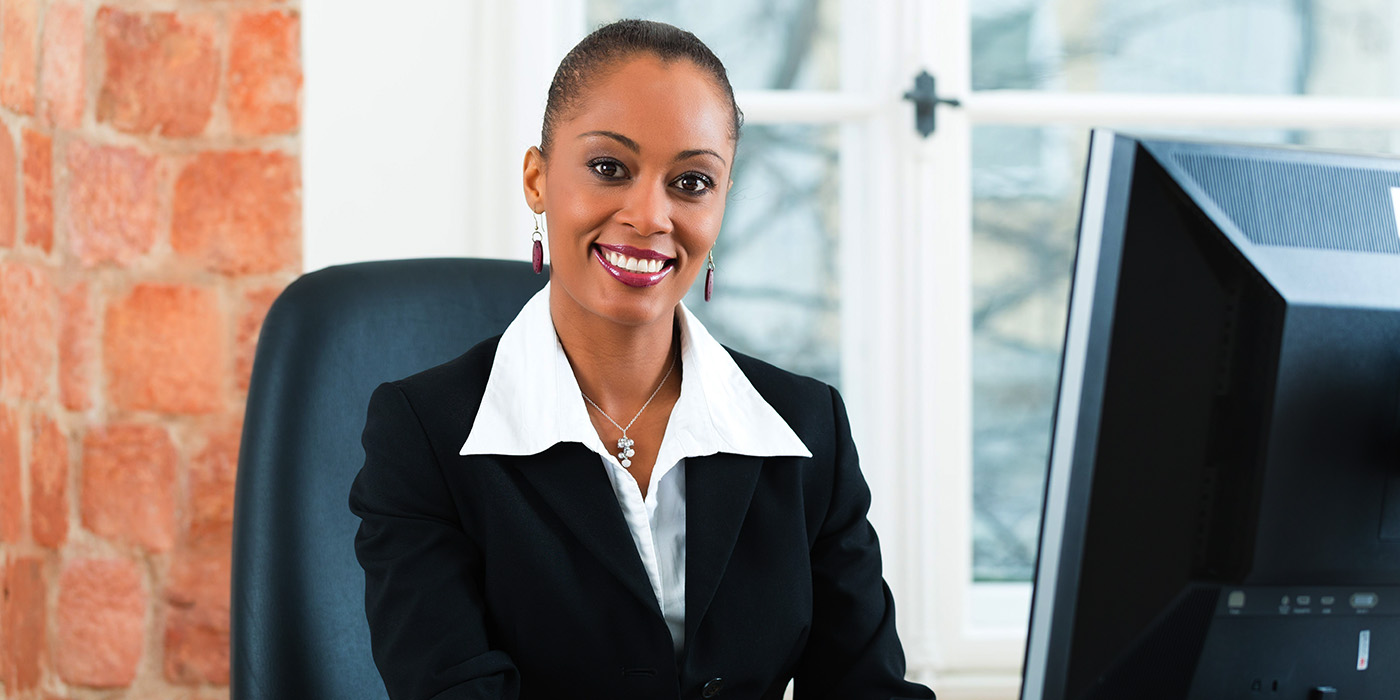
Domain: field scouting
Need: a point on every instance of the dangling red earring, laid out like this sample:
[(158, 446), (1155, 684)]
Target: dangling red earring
[(537, 255), (710, 276)]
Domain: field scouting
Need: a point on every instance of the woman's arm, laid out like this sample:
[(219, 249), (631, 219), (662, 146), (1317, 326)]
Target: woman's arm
[(853, 652), (423, 576)]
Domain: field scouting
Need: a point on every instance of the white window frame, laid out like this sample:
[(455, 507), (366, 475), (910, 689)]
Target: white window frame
[(979, 655)]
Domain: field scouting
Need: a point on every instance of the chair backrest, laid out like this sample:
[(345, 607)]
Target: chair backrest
[(298, 618)]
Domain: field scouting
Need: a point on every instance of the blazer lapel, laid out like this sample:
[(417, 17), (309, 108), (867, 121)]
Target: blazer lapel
[(571, 481), (718, 491)]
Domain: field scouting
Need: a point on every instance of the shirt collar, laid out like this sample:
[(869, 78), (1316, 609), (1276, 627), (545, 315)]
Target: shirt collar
[(532, 400)]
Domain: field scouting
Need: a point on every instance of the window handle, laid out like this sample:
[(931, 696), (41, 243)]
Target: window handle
[(926, 100)]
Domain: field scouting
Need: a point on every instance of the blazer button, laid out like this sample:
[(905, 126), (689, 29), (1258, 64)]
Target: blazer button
[(712, 688)]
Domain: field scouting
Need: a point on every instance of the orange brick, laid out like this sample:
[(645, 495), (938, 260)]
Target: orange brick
[(264, 73), (38, 189), (101, 622), (28, 346), (20, 18), (163, 349), (113, 201), (22, 637), (239, 212), (162, 72), (128, 485), (196, 624), (9, 212), (48, 475), (61, 56), (212, 477), (11, 479), (75, 347), (255, 306)]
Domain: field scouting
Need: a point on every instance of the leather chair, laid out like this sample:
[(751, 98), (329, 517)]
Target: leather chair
[(298, 625)]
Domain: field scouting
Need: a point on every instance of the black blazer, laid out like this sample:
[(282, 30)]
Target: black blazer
[(504, 577)]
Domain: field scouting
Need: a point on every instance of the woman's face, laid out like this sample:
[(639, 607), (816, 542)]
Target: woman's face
[(634, 190)]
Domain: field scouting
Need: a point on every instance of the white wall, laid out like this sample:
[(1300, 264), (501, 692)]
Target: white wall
[(417, 116)]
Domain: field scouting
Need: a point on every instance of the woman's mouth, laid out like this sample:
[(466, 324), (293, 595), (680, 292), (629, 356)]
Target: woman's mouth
[(633, 267)]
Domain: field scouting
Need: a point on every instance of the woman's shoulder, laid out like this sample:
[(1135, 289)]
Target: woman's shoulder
[(769, 378), (805, 403), (454, 387)]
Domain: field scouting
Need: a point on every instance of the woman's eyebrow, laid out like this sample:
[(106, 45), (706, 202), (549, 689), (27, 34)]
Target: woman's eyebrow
[(700, 152), (629, 143), (636, 148)]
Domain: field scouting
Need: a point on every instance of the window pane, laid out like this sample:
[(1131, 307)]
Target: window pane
[(1026, 185), (765, 44), (776, 282), (1269, 47)]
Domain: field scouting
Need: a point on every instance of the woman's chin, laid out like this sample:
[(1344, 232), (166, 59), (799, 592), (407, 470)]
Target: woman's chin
[(623, 305), (637, 310)]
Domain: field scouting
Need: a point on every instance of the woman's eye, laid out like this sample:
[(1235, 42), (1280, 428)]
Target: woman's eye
[(607, 168), (692, 182)]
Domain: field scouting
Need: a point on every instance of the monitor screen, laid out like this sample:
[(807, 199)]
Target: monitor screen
[(1222, 513)]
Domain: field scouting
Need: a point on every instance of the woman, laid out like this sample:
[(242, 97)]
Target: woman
[(723, 547)]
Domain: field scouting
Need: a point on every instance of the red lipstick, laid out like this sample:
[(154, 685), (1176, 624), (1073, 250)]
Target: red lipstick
[(629, 251), (628, 277)]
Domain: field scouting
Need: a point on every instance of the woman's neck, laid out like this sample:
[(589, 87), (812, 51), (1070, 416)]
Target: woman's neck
[(618, 366)]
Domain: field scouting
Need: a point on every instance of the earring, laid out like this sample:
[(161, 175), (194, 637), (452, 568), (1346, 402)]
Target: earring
[(710, 276), (537, 255)]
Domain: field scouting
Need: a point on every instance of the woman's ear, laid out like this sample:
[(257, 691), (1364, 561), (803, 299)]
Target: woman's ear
[(534, 179)]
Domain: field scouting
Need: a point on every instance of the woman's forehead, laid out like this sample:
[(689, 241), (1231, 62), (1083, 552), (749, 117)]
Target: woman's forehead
[(667, 105)]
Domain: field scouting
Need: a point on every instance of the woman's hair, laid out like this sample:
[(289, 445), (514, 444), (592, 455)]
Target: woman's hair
[(611, 43)]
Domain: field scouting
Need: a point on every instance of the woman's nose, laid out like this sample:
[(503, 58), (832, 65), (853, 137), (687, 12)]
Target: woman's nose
[(647, 208)]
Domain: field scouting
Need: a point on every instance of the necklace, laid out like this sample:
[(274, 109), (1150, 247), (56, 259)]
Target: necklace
[(624, 443)]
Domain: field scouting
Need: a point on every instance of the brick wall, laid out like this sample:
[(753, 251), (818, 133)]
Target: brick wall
[(150, 206)]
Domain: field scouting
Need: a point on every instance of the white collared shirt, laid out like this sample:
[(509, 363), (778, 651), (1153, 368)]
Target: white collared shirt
[(532, 402)]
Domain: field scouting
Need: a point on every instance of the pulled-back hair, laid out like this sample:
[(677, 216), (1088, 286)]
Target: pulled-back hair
[(622, 39)]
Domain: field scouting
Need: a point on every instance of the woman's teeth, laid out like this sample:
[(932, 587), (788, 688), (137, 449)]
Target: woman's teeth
[(634, 264)]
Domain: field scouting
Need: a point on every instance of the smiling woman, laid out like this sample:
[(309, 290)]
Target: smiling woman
[(640, 174), (604, 501)]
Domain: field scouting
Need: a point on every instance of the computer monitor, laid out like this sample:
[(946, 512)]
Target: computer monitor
[(1222, 512)]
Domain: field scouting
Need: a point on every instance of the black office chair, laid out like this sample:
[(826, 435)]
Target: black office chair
[(298, 616)]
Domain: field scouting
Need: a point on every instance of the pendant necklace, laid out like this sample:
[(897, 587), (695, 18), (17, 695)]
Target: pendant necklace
[(624, 444)]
